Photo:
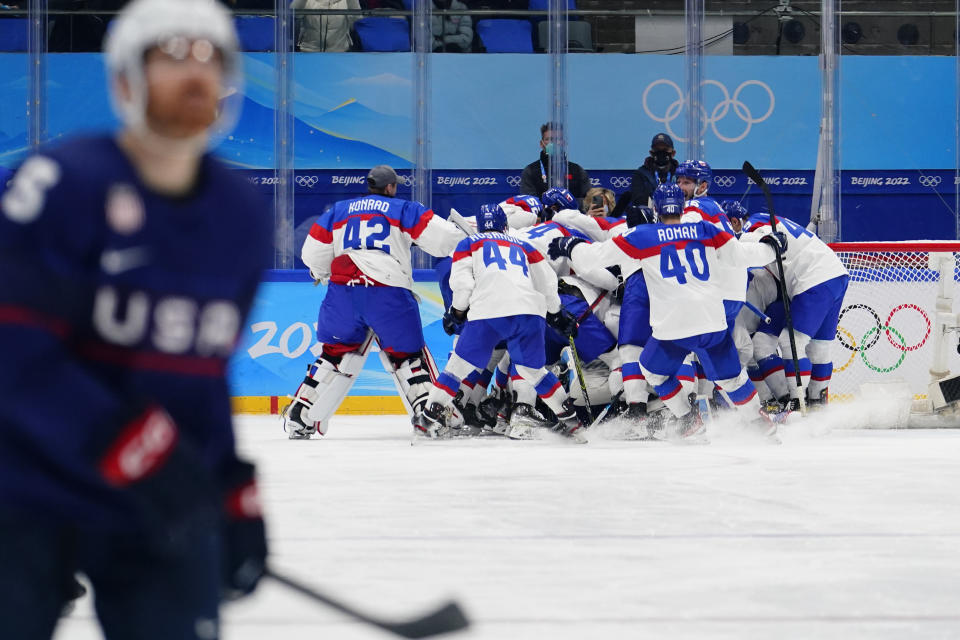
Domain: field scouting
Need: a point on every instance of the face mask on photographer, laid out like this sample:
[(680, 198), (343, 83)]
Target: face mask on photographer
[(661, 157), (549, 149)]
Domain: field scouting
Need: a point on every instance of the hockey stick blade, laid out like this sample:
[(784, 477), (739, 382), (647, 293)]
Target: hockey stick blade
[(449, 617)]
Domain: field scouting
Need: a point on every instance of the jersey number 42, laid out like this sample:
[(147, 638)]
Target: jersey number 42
[(370, 234)]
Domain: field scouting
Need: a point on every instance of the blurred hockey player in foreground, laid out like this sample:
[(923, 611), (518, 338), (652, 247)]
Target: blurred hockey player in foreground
[(127, 267), (502, 289), (362, 248), (679, 263)]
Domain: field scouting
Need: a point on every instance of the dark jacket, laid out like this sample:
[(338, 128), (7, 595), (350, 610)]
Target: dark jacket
[(533, 184), (645, 179)]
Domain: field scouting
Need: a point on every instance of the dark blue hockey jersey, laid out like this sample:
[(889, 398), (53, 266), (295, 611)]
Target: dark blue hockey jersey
[(111, 296)]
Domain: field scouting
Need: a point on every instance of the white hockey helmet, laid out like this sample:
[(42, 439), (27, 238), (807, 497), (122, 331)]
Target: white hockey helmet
[(146, 23)]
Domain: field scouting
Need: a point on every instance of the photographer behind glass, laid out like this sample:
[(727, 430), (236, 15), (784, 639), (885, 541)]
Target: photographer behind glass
[(599, 202), (657, 168), (535, 176)]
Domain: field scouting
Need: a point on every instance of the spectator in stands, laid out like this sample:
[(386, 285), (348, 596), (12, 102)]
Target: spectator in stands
[(326, 32), (657, 168), (533, 180), (452, 34), (599, 202)]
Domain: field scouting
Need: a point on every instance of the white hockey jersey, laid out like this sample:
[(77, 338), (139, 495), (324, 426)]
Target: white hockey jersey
[(808, 260), (375, 232), (497, 276), (540, 235), (680, 266)]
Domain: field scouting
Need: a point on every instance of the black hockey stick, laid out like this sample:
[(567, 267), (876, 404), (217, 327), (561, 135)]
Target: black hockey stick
[(577, 363), (754, 175), (444, 620)]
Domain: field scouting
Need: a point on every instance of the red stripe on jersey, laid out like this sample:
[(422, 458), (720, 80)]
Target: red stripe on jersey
[(153, 361), (366, 216), (533, 256), (26, 317), (459, 255), (715, 218), (635, 252), (758, 225), (820, 379), (606, 225), (718, 240), (320, 234), (421, 224)]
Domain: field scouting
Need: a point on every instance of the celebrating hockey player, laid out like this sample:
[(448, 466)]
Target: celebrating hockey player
[(816, 282), (679, 266), (118, 313), (502, 289), (362, 248)]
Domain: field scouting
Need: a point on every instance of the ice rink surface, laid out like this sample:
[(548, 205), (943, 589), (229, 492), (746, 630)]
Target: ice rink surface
[(834, 534)]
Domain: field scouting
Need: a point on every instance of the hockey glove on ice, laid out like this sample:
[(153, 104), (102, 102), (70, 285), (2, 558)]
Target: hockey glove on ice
[(244, 536), (564, 322), (453, 321), (562, 247), (776, 240)]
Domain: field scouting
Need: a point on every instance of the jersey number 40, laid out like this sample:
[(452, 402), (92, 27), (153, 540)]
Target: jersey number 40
[(492, 255), (370, 234), (672, 265)]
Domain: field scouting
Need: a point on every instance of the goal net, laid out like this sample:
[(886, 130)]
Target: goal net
[(897, 323)]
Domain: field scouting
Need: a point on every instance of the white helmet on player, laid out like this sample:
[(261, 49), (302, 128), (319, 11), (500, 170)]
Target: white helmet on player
[(147, 23)]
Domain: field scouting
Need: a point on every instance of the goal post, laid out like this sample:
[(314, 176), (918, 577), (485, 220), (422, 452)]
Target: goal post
[(898, 324)]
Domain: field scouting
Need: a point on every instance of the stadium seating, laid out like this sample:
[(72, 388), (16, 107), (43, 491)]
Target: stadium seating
[(579, 36), (383, 34), (13, 34), (256, 33), (506, 36)]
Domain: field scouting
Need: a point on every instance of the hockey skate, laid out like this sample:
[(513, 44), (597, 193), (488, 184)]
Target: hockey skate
[(819, 403), (524, 423), (295, 422), (568, 424), (689, 428), (431, 422), (764, 426), (472, 426), (631, 424)]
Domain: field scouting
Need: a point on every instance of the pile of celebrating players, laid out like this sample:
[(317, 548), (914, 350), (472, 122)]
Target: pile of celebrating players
[(636, 327)]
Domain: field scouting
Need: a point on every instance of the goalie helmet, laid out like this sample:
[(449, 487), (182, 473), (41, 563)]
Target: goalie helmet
[(734, 209), (668, 200), (491, 217), (697, 170), (147, 23)]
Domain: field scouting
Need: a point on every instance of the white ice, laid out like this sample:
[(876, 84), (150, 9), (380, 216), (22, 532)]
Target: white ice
[(839, 534)]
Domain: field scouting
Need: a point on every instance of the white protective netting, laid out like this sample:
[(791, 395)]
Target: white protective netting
[(888, 329)]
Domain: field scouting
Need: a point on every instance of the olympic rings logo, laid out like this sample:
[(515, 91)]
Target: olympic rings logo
[(307, 181), (930, 181), (872, 336), (725, 181), (513, 181), (718, 113), (620, 182), (404, 179)]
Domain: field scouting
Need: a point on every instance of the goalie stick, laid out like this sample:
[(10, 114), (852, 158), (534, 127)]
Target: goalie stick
[(449, 617), (754, 175)]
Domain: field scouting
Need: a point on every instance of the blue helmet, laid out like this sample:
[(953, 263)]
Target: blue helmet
[(668, 200), (491, 218), (559, 196), (697, 170), (734, 209)]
